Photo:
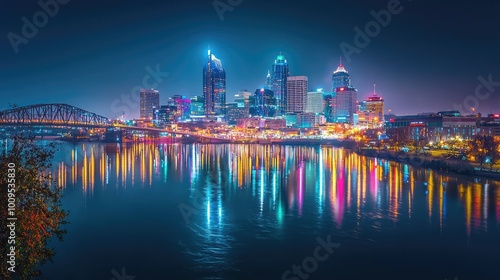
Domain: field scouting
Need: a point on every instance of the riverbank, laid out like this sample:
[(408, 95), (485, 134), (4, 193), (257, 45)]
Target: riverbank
[(459, 167)]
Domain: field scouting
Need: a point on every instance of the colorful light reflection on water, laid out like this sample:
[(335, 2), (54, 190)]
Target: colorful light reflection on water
[(248, 199)]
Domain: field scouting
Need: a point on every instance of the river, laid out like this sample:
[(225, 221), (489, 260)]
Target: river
[(174, 211)]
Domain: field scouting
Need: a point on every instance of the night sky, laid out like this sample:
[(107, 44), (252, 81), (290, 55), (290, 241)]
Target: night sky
[(91, 53)]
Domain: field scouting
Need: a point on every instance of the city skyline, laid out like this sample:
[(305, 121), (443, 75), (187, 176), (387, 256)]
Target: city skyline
[(67, 63)]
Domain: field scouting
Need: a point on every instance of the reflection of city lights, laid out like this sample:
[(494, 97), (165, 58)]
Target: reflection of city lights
[(350, 184)]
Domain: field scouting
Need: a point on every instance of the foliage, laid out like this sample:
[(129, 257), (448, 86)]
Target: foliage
[(38, 207), (484, 146)]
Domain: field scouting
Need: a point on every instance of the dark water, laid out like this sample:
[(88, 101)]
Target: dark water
[(158, 211)]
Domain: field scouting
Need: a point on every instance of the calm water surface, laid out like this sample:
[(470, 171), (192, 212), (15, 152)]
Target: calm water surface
[(161, 211)]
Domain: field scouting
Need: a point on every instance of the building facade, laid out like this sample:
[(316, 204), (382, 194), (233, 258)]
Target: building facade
[(197, 106), (214, 87), (234, 112), (314, 102), (243, 98), (149, 103), (296, 94), (340, 77), (279, 78), (433, 127), (263, 103), (344, 105), (183, 105)]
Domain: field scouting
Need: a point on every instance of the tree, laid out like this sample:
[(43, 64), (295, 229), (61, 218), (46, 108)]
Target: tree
[(484, 146), (37, 207)]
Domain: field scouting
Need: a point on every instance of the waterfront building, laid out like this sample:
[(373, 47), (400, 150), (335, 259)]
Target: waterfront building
[(433, 127), (149, 103)]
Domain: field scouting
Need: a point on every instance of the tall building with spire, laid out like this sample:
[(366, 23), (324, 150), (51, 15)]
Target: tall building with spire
[(269, 80), (345, 99), (375, 105), (214, 86), (340, 77), (279, 79)]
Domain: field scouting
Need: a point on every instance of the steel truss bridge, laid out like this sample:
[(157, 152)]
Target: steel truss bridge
[(67, 116), (52, 115)]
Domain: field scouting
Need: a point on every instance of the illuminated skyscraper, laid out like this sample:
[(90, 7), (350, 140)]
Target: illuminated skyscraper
[(149, 103), (182, 104), (214, 86), (340, 77), (314, 102), (375, 104), (279, 77), (263, 103), (344, 104), (296, 94), (269, 81)]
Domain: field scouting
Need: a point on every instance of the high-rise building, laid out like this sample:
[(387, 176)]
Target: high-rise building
[(296, 94), (269, 81), (328, 98), (149, 103), (279, 77), (263, 103), (340, 77), (243, 98), (198, 106), (183, 105), (166, 114), (375, 104), (344, 105), (214, 86), (234, 112), (315, 102)]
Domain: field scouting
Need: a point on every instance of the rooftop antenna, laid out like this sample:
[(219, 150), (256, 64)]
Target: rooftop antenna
[(374, 89), (340, 61)]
